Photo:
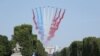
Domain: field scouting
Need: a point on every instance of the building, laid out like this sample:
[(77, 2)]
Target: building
[(51, 49)]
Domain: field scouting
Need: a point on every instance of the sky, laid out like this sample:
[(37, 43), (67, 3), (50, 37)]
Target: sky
[(82, 18)]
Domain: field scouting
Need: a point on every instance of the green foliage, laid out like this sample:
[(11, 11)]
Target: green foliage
[(90, 46), (23, 35), (57, 54), (40, 51), (64, 52), (5, 49), (76, 48)]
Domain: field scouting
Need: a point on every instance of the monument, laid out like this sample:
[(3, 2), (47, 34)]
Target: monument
[(17, 51), (51, 49)]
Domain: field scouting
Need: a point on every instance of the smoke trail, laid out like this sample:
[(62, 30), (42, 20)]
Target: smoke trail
[(52, 25), (41, 24), (47, 21), (44, 20), (34, 19), (58, 16), (55, 24)]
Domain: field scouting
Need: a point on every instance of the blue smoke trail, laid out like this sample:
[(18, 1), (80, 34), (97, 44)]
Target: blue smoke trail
[(40, 22)]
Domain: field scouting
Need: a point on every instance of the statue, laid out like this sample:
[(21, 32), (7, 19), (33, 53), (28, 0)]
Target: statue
[(17, 51)]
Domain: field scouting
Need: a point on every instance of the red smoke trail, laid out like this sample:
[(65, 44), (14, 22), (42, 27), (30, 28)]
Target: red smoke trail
[(55, 14), (55, 25), (58, 16), (34, 19), (52, 24)]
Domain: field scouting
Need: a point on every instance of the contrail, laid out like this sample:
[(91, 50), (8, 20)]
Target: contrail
[(55, 24), (41, 24), (34, 19), (47, 21)]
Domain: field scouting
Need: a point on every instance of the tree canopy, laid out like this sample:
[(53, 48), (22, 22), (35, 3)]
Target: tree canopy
[(29, 42), (5, 49), (90, 46)]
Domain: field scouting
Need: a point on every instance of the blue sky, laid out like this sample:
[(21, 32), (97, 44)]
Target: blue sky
[(82, 18)]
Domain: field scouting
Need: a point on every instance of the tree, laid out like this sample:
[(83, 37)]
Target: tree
[(23, 35), (64, 52), (98, 46), (40, 51), (57, 53), (5, 49), (91, 47), (76, 48)]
